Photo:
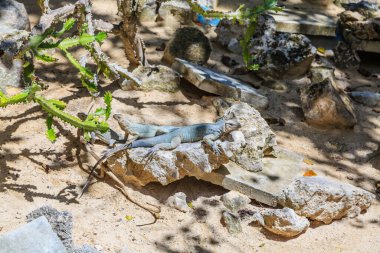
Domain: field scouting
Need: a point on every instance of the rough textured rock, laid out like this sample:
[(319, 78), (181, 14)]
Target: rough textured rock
[(36, 236), (220, 84), (86, 249), (284, 222), (232, 222), (229, 33), (235, 201), (324, 104), (175, 13), (61, 222), (367, 98), (13, 15), (178, 201), (280, 55), (148, 11), (245, 146), (324, 200), (14, 22), (190, 44), (254, 139), (158, 77)]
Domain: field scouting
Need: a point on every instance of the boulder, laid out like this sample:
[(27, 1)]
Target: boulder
[(232, 222), (323, 199), (324, 104), (284, 222), (235, 201), (178, 201), (13, 16), (220, 84), (175, 13), (280, 55), (157, 77), (245, 146), (36, 236), (190, 44)]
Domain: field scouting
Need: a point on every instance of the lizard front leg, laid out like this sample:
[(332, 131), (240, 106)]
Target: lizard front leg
[(175, 142), (210, 140)]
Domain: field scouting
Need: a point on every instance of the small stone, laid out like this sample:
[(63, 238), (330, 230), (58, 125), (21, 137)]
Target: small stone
[(232, 222), (190, 44), (235, 201), (229, 33), (367, 98), (178, 201), (274, 85), (284, 222), (158, 77), (86, 249), (13, 15), (324, 104), (323, 199)]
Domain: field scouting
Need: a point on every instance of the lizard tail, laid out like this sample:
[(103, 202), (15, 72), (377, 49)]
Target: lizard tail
[(104, 157)]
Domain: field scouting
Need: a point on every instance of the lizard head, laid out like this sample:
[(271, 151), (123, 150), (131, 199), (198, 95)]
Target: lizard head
[(122, 120), (231, 125)]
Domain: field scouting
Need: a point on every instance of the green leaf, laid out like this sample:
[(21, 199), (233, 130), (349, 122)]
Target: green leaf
[(44, 57), (50, 133), (66, 27), (107, 101), (101, 36), (87, 136)]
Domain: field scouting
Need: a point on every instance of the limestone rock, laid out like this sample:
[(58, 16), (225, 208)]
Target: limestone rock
[(246, 146), (280, 55), (61, 223), (235, 201), (175, 13), (284, 222), (220, 84), (178, 201), (232, 222), (36, 236), (323, 199), (158, 77), (13, 16), (324, 104), (190, 44)]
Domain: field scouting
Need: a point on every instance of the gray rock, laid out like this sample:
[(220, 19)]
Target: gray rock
[(190, 44), (13, 16), (246, 146), (61, 222), (252, 141), (36, 236), (324, 200), (86, 249), (235, 201), (175, 13), (324, 104), (178, 201), (229, 33), (284, 222), (280, 55), (220, 84), (232, 222), (158, 77)]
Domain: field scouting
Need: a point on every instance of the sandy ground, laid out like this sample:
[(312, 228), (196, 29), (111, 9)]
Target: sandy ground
[(35, 172)]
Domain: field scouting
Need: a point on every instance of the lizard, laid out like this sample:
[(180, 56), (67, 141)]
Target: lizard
[(141, 130), (206, 132)]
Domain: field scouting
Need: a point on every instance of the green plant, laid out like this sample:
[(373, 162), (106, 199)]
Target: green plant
[(243, 15)]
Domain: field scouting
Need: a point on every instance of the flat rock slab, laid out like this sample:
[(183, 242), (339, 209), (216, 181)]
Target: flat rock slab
[(220, 84), (35, 237), (263, 186)]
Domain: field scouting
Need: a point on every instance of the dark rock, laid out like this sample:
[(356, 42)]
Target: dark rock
[(324, 104), (190, 44), (228, 61), (229, 33), (232, 222)]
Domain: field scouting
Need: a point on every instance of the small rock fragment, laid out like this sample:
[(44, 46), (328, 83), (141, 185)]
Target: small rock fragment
[(178, 201), (284, 222), (366, 97), (323, 199), (235, 201), (175, 13), (190, 44), (232, 222)]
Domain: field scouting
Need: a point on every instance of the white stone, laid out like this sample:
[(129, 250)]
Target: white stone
[(235, 201), (178, 201)]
